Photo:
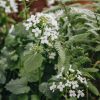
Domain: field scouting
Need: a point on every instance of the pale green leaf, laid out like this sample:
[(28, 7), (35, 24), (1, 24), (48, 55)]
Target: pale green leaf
[(17, 86)]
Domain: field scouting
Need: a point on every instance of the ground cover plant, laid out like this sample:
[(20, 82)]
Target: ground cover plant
[(49, 55)]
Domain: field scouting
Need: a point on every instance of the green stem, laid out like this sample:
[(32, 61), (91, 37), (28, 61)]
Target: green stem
[(86, 93), (67, 12), (25, 7), (39, 82)]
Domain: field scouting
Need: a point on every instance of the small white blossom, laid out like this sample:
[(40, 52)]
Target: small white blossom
[(28, 25), (61, 86), (53, 86), (11, 29), (52, 55), (50, 2), (13, 5), (9, 6), (82, 79), (62, 69), (80, 93), (68, 83), (36, 31), (70, 69), (74, 84), (44, 40), (7, 9), (78, 72), (72, 93), (3, 3), (59, 75)]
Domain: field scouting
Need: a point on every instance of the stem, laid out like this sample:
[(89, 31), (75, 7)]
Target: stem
[(46, 98), (68, 15), (25, 7), (39, 82), (86, 93)]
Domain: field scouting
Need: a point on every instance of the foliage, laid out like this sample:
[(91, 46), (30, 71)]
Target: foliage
[(30, 65)]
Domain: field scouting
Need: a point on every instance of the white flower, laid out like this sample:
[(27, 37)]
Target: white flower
[(32, 18), (11, 29), (72, 93), (80, 93), (36, 31), (59, 13), (7, 9), (44, 40), (82, 79), (52, 55), (61, 86), (49, 27), (74, 84), (68, 83), (70, 69), (59, 75), (50, 2), (13, 5), (53, 87), (28, 25), (2, 3), (62, 69), (54, 35), (79, 72)]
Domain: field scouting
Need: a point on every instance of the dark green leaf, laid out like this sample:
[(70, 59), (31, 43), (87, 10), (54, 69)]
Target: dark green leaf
[(34, 97), (93, 89)]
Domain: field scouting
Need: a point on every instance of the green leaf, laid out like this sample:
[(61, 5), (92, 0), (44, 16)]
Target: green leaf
[(2, 77), (22, 97), (73, 98), (79, 38), (97, 48), (10, 40), (34, 97), (93, 70), (19, 30), (33, 62), (18, 97), (0, 97), (31, 67), (93, 89), (88, 75), (17, 86), (61, 53)]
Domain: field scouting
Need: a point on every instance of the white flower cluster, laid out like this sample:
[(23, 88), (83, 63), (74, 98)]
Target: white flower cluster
[(9, 6), (73, 83), (44, 27)]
